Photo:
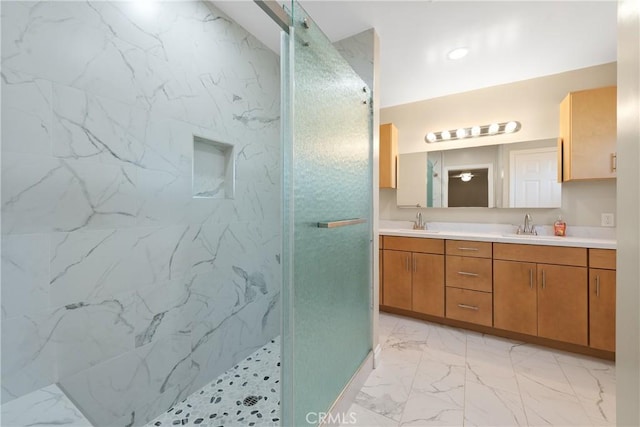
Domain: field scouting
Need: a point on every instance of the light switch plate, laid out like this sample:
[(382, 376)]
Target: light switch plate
[(607, 220)]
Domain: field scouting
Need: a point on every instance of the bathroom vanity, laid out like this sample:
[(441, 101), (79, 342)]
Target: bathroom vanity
[(548, 290)]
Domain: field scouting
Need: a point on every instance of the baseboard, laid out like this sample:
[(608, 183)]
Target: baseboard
[(376, 356)]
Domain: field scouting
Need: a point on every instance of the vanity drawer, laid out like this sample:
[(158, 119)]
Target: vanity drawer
[(558, 255), (602, 258), (469, 273), (469, 248), (414, 244), (470, 306)]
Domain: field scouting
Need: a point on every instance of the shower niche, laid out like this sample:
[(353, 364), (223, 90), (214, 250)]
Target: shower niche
[(213, 169)]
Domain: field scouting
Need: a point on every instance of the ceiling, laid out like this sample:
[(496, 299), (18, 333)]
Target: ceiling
[(507, 40)]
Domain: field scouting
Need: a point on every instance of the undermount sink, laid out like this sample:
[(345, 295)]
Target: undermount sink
[(532, 236), (412, 230)]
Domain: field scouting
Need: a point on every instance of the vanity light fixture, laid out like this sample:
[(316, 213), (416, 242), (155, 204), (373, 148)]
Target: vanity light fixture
[(473, 131)]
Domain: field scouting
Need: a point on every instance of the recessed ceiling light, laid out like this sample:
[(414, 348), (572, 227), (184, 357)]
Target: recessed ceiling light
[(458, 53)]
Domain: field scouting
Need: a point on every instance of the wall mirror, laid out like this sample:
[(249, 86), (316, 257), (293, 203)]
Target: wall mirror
[(515, 175)]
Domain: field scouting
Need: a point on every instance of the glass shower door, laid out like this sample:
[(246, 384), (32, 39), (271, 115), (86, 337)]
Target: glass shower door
[(327, 222)]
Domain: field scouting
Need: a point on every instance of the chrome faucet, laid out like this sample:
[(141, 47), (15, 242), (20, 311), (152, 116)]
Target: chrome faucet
[(419, 224), (528, 228)]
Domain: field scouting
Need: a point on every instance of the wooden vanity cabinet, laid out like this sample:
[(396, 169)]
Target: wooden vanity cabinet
[(388, 155), (469, 281), (587, 143), (563, 303), (413, 274), (515, 296), (602, 299), (541, 290)]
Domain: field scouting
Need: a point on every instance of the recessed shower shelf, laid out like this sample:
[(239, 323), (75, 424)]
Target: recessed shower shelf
[(213, 169)]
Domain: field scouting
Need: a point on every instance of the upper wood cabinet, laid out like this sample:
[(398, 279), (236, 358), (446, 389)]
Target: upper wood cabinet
[(388, 155), (587, 144)]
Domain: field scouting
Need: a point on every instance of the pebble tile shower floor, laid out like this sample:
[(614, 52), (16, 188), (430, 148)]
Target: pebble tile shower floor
[(246, 395)]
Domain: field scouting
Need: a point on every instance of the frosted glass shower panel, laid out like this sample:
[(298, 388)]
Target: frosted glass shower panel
[(213, 169), (327, 180)]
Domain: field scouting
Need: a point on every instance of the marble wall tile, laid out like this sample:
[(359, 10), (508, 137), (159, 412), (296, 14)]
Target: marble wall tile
[(44, 194), (28, 354), (137, 386), (96, 128), (162, 310), (48, 406), (96, 264), (25, 274), (359, 50), (26, 112), (136, 292), (92, 331)]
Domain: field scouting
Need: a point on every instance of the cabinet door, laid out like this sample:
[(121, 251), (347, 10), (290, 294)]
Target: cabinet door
[(380, 277), (562, 303), (428, 284), (602, 309), (396, 273), (388, 154), (591, 147), (515, 297)]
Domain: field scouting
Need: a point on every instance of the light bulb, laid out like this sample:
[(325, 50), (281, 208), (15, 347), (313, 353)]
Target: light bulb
[(461, 133), (445, 134), (466, 176), (475, 131), (431, 137), (493, 128), (510, 127)]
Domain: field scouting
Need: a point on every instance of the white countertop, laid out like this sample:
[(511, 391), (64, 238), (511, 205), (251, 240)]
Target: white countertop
[(592, 237)]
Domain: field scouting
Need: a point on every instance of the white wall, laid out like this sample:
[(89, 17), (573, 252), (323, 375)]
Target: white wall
[(628, 269), (535, 103), (116, 282)]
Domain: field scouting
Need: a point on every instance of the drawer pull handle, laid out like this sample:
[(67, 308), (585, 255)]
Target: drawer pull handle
[(614, 162), (598, 285), (415, 265), (464, 273), (406, 263), (530, 278), (544, 280), (468, 307), (468, 249)]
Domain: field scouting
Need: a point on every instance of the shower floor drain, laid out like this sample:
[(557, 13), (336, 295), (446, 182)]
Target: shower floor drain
[(250, 400)]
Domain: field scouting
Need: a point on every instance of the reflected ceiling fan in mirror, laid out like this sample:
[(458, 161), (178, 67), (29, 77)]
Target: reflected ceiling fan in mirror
[(464, 176)]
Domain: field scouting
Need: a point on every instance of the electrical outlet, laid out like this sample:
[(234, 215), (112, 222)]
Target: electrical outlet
[(607, 220)]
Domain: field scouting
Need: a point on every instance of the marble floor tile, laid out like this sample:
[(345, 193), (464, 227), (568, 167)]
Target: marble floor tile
[(488, 406), (358, 416), (434, 375), (432, 409)]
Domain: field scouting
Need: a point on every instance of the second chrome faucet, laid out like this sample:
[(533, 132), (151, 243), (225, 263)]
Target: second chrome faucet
[(528, 227), (419, 223)]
